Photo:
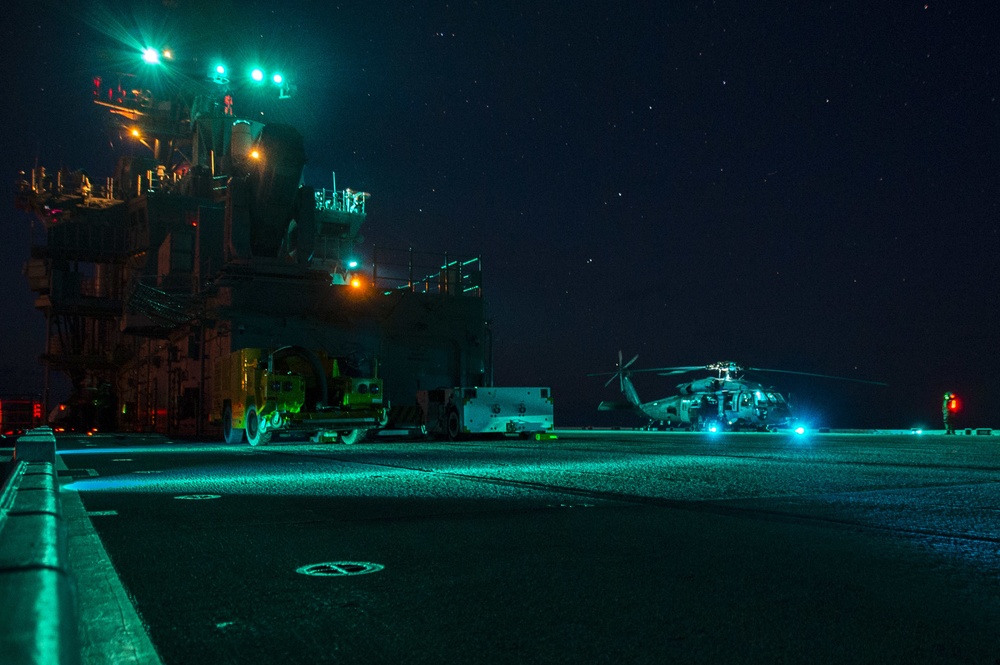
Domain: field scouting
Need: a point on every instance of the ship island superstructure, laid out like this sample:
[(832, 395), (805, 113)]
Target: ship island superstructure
[(209, 242)]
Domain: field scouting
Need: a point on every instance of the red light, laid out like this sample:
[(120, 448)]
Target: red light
[(953, 404)]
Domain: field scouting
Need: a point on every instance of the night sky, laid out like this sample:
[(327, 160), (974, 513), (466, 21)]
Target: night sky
[(810, 187)]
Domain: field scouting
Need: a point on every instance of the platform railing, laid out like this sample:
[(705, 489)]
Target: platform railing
[(426, 272), (345, 200)]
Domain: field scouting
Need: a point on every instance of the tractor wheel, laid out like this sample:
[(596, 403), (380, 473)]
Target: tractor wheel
[(231, 435), (351, 436), (257, 432), (453, 427)]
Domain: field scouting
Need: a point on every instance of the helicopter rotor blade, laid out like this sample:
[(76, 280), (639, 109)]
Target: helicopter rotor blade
[(629, 363), (673, 370), (821, 376)]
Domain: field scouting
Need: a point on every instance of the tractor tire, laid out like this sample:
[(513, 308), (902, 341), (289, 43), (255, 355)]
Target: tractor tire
[(257, 432), (351, 436), (230, 435), (453, 426)]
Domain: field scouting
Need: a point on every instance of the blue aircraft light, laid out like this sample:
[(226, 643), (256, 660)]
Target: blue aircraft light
[(800, 430)]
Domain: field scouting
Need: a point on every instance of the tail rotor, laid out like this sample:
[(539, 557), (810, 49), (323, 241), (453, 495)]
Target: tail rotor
[(620, 372)]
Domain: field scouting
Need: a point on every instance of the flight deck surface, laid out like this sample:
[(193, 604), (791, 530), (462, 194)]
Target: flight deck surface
[(594, 547)]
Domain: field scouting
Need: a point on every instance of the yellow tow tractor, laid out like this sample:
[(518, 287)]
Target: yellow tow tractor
[(293, 389)]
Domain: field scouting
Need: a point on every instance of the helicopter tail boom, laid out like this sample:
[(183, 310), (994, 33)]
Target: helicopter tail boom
[(615, 406)]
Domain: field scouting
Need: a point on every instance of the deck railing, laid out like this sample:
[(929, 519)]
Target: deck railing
[(425, 272)]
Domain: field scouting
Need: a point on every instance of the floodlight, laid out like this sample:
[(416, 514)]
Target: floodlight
[(257, 75), (151, 55), (220, 76)]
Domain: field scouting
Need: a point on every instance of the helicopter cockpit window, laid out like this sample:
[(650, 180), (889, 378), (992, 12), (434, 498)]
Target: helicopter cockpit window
[(745, 400)]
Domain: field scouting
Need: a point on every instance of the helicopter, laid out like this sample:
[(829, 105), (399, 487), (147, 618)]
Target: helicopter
[(725, 401)]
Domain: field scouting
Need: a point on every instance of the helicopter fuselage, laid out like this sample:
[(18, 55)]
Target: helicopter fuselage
[(720, 404)]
